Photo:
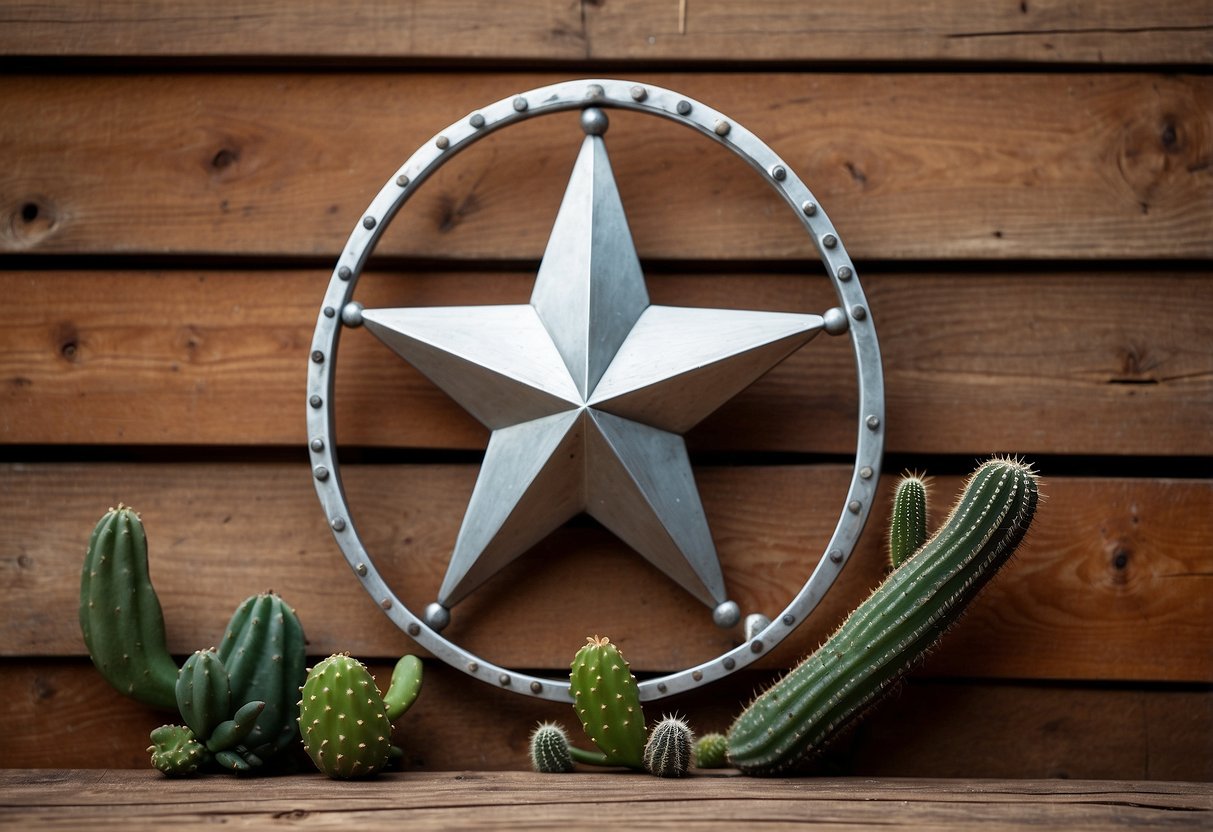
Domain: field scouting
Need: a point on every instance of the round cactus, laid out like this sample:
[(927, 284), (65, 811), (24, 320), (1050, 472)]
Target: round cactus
[(711, 751), (668, 751), (343, 720), (175, 751), (550, 749), (607, 702)]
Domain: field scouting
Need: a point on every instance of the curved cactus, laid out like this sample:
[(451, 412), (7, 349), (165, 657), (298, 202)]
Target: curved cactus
[(265, 655), (120, 614), (204, 696), (550, 749), (404, 687), (908, 527), (896, 625), (607, 702), (175, 751), (711, 751), (343, 720), (668, 751)]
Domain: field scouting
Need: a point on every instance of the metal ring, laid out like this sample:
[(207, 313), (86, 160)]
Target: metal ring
[(572, 95)]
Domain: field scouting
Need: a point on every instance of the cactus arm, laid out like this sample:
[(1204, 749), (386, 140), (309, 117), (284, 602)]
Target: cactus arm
[(120, 614), (607, 702), (589, 758), (230, 733), (232, 760), (893, 628), (405, 685), (908, 527)]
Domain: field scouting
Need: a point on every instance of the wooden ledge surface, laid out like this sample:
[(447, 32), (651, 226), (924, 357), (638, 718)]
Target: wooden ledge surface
[(107, 798)]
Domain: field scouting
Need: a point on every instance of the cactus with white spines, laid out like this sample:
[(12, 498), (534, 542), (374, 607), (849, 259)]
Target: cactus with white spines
[(908, 525), (550, 751), (669, 749), (882, 639)]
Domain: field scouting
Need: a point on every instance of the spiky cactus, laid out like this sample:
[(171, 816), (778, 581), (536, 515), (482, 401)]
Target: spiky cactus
[(711, 751), (668, 751), (204, 694), (879, 642), (345, 724), (550, 752), (607, 702), (264, 651), (120, 614), (176, 751), (908, 526)]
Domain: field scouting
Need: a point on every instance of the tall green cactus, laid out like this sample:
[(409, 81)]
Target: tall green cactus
[(879, 642), (908, 528), (120, 614), (607, 702), (204, 694), (265, 655)]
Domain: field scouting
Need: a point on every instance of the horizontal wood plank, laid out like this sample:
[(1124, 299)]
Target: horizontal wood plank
[(517, 800), (1047, 31), (1051, 363), (1112, 584), (924, 166), (62, 714)]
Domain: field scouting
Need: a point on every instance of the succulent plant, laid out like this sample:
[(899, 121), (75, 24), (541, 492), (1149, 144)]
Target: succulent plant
[(120, 614), (908, 526), (607, 702), (550, 752), (176, 751), (204, 694), (343, 718), (669, 748), (711, 751), (264, 651), (881, 640)]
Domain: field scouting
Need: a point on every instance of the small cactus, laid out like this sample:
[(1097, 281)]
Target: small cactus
[(908, 526), (175, 751), (204, 696), (711, 751), (404, 688), (880, 641), (550, 749), (607, 702), (668, 751)]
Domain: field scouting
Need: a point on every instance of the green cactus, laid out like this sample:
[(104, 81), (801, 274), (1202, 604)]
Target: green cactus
[(711, 751), (879, 642), (607, 702), (404, 687), (120, 614), (175, 751), (264, 652), (550, 751), (343, 720), (204, 696), (908, 526), (668, 751)]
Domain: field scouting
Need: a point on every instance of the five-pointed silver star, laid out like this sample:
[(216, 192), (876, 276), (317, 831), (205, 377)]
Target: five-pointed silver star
[(587, 390)]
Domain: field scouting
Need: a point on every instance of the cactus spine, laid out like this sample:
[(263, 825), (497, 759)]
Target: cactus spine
[(895, 626), (908, 528), (120, 614), (668, 751), (264, 652), (607, 701), (711, 751)]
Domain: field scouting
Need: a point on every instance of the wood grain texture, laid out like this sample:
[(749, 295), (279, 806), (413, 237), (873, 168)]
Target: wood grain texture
[(357, 31), (1112, 584), (925, 166), (1051, 362), (514, 800), (62, 714)]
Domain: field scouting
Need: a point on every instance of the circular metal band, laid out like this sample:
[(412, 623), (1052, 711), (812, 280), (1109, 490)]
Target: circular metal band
[(572, 95)]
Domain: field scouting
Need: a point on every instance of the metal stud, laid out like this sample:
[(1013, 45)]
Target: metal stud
[(442, 142), (866, 472), (504, 680), (683, 107), (402, 181), (473, 667), (756, 646), (858, 313), (722, 128), (836, 556), (638, 93), (368, 223), (351, 314), (520, 104), (476, 120), (808, 208), (594, 92), (320, 472), (873, 422), (729, 663), (329, 312), (779, 173), (854, 506), (662, 687), (697, 675), (829, 241), (344, 273), (788, 619), (835, 321), (386, 603), (536, 687), (437, 616), (845, 273), (338, 525), (317, 444), (315, 401), (317, 357), (361, 570), (414, 629)]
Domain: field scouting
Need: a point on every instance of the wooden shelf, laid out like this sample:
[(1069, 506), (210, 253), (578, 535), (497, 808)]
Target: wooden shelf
[(101, 798)]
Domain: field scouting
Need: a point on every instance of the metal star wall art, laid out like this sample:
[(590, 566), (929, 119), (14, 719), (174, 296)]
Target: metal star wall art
[(588, 388)]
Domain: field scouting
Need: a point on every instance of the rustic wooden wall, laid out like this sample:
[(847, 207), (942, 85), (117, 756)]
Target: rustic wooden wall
[(1026, 187)]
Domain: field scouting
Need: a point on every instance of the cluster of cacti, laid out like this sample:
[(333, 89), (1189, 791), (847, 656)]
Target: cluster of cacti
[(237, 702), (345, 722), (881, 640)]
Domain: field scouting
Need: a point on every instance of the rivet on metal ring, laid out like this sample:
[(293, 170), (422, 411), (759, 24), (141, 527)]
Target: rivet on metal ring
[(361, 570), (858, 313), (317, 444), (338, 525), (756, 646), (594, 92), (683, 107), (638, 93), (873, 422), (865, 472), (722, 128), (520, 104), (854, 506), (836, 555), (789, 620), (320, 472), (829, 241), (442, 142), (536, 687), (414, 629), (808, 207), (317, 356), (386, 603), (476, 120), (315, 401), (779, 173), (729, 663), (662, 687), (504, 679), (344, 273), (329, 312), (473, 667), (402, 180), (368, 222), (697, 675), (845, 273)]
